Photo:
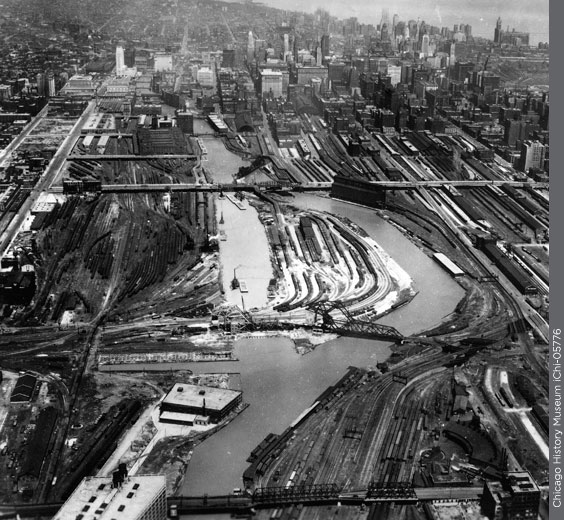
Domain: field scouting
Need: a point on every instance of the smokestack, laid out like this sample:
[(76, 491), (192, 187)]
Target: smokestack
[(117, 479)]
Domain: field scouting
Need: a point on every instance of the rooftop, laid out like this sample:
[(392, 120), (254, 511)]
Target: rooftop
[(95, 498), (194, 395)]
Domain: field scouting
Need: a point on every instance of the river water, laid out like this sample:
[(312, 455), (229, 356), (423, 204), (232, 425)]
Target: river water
[(277, 382)]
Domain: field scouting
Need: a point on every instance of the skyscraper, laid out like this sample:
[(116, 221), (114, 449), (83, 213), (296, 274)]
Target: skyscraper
[(41, 84), (425, 45), (532, 155), (325, 45), (250, 47), (385, 18), (120, 61), (497, 32), (50, 84)]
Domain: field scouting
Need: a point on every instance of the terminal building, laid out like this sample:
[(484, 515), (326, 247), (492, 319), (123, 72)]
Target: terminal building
[(195, 404), (141, 497)]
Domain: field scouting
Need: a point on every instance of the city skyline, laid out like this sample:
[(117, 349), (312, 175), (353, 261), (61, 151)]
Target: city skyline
[(481, 14)]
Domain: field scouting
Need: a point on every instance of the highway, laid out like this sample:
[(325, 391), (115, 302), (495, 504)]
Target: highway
[(45, 182)]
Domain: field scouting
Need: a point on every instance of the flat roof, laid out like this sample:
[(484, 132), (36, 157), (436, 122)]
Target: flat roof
[(95, 498), (178, 416), (193, 395)]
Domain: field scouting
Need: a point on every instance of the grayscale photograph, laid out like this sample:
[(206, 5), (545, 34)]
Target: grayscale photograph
[(276, 260)]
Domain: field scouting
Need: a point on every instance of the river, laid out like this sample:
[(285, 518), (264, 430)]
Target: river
[(277, 382)]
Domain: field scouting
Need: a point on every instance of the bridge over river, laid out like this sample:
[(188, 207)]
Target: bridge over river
[(274, 497)]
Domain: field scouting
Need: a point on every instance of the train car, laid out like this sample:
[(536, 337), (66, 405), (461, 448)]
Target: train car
[(385, 144), (242, 141), (514, 273), (505, 396), (411, 149), (315, 143), (448, 264)]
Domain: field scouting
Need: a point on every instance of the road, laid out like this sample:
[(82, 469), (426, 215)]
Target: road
[(45, 182), (6, 153)]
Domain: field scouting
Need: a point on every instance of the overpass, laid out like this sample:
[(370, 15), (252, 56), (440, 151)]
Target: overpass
[(204, 187), (128, 157), (273, 185), (273, 497)]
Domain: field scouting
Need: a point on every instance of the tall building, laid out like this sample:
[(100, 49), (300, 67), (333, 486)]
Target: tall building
[(120, 60), (41, 84), (425, 45), (205, 77), (163, 62), (497, 31), (532, 155), (250, 47), (394, 71), (385, 20), (286, 43), (119, 497), (325, 45), (51, 91), (271, 83), (185, 121), (517, 496)]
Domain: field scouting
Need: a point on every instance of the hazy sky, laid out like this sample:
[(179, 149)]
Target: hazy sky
[(525, 15)]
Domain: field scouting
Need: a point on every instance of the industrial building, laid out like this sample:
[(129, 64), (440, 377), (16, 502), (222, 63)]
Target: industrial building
[(516, 496), (197, 402), (23, 391), (141, 497)]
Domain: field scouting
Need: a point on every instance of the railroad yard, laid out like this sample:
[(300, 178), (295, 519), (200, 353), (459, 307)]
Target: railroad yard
[(129, 278)]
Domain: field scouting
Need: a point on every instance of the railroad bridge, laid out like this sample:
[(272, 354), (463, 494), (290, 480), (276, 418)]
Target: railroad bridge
[(272, 497), (335, 317)]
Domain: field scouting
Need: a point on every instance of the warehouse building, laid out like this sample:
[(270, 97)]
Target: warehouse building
[(139, 497), (23, 391), (198, 402)]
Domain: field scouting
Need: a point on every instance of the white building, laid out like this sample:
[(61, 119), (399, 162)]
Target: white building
[(205, 77), (140, 497), (120, 61), (394, 71), (163, 62), (271, 82), (532, 155)]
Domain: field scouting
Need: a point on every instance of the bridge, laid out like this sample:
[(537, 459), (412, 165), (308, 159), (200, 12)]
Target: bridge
[(272, 185), (128, 157), (203, 187), (336, 318), (273, 497)]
